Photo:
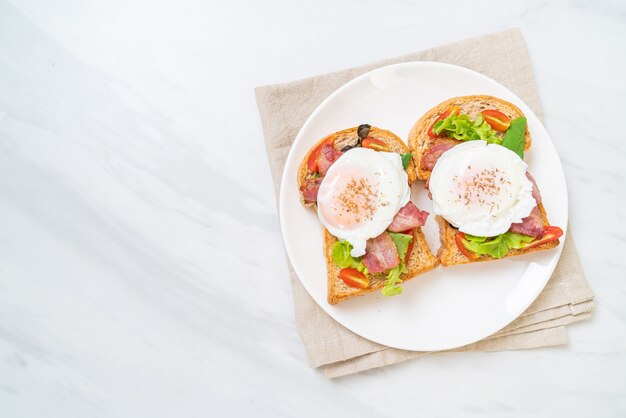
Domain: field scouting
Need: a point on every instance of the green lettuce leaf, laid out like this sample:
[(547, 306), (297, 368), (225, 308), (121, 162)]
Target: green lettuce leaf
[(406, 159), (393, 282), (461, 127), (342, 258), (402, 242), (497, 246), (515, 136)]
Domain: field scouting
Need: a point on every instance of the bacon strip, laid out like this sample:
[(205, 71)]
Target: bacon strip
[(310, 189), (427, 187), (408, 217), (432, 154), (532, 225), (536, 194), (381, 254), (327, 157)]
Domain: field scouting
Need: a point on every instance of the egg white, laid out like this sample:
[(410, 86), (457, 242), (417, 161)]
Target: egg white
[(481, 188), (383, 171)]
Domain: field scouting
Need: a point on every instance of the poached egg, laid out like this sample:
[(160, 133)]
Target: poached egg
[(481, 188), (360, 195)]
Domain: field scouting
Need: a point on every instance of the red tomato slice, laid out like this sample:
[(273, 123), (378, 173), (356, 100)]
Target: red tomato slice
[(458, 238), (410, 247), (354, 278), (552, 233), (496, 119), (453, 110), (313, 156), (375, 144)]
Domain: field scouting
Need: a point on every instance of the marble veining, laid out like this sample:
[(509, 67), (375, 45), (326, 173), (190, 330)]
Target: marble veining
[(142, 271)]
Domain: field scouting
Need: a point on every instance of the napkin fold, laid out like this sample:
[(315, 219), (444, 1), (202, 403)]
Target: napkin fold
[(338, 351)]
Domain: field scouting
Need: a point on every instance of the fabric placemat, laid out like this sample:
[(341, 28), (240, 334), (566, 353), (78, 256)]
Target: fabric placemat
[(336, 350)]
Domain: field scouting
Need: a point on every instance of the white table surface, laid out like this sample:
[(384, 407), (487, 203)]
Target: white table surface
[(142, 271)]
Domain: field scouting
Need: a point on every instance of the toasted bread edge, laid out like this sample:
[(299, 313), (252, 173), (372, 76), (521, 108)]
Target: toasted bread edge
[(419, 141), (449, 254)]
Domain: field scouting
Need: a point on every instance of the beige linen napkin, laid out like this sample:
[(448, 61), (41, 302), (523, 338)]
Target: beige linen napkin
[(337, 351)]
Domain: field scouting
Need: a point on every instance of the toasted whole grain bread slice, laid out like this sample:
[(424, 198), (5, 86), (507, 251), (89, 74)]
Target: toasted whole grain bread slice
[(349, 136), (449, 254), (419, 141), (421, 258)]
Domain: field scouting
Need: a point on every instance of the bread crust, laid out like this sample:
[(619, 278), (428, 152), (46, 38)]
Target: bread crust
[(419, 141), (450, 255), (421, 258)]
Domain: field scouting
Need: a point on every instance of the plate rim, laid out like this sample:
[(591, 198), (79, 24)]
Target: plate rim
[(291, 155)]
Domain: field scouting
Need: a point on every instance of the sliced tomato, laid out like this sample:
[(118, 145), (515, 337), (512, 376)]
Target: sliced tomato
[(496, 119), (454, 110), (314, 155), (354, 278), (375, 144), (459, 238), (410, 247), (552, 233)]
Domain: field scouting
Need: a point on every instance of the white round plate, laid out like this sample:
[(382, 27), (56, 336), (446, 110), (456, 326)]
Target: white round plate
[(448, 307)]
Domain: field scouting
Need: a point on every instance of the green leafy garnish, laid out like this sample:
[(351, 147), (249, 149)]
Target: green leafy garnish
[(515, 136), (461, 127), (393, 282), (497, 246), (402, 242), (406, 159), (343, 259)]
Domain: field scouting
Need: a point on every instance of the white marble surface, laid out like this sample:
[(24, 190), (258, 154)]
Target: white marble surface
[(142, 275)]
